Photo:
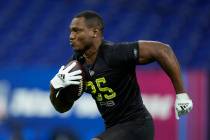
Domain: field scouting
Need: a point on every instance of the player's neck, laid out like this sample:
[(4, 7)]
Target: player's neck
[(91, 54)]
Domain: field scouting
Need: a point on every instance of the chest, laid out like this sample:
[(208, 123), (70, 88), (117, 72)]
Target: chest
[(104, 80)]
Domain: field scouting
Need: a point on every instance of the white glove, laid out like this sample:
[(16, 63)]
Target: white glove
[(63, 78), (183, 104)]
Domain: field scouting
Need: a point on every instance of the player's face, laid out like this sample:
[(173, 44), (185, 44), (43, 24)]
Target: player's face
[(81, 36)]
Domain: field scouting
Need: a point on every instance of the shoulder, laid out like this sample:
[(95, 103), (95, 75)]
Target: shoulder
[(113, 45), (118, 47), (119, 53)]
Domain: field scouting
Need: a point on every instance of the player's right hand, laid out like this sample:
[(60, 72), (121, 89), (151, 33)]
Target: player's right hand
[(65, 78)]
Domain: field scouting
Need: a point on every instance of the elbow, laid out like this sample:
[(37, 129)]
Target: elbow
[(165, 47), (165, 50), (60, 106), (61, 110), (168, 48)]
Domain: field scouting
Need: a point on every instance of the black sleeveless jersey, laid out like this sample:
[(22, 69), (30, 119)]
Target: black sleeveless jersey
[(113, 83)]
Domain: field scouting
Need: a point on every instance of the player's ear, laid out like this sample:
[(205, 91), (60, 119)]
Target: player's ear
[(95, 32), (92, 33)]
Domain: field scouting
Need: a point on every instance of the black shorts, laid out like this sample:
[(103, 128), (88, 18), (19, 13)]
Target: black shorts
[(133, 130)]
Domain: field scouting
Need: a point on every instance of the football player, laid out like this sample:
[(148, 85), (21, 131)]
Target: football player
[(113, 82)]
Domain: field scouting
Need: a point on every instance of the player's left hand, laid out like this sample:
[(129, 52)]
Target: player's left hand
[(183, 104)]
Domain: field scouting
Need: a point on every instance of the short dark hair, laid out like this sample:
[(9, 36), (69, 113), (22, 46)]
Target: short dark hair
[(92, 19)]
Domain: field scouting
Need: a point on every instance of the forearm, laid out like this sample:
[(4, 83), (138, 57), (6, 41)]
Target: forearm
[(61, 105), (150, 51), (170, 65)]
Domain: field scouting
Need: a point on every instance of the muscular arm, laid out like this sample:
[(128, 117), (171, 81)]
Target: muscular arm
[(59, 103), (150, 51)]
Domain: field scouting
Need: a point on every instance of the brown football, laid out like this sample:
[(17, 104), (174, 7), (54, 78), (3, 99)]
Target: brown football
[(73, 92)]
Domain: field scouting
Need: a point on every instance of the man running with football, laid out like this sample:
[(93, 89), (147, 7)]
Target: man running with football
[(112, 78)]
